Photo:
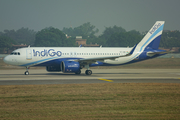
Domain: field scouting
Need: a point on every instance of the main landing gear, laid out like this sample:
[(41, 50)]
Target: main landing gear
[(26, 72), (78, 73), (88, 72)]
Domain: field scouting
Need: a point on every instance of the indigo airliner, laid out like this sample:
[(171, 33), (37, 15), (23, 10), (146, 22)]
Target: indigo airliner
[(73, 59)]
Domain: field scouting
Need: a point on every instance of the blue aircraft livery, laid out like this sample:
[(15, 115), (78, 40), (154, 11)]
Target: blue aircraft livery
[(73, 59)]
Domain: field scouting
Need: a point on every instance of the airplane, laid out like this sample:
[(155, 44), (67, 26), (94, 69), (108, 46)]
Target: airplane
[(73, 59)]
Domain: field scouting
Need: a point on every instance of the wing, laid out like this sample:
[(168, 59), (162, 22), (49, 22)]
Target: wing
[(87, 61)]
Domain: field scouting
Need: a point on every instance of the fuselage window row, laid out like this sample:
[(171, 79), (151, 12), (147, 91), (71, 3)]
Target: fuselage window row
[(94, 53)]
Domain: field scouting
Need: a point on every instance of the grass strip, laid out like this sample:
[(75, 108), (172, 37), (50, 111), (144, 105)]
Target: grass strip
[(91, 101)]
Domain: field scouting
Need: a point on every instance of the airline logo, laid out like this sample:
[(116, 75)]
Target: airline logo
[(155, 27), (46, 53)]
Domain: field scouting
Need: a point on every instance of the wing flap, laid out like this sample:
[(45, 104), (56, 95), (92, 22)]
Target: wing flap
[(86, 61), (92, 60)]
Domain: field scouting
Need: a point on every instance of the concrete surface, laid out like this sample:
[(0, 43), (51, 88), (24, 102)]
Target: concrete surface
[(41, 76)]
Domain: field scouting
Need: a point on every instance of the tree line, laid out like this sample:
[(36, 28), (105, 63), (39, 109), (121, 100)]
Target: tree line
[(52, 37)]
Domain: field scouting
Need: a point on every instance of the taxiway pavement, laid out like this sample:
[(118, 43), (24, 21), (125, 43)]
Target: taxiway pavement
[(41, 76)]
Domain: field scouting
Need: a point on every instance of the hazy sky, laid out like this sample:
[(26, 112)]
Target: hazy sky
[(129, 14)]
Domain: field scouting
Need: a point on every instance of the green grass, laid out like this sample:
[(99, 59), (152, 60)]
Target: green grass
[(94, 101), (91, 101)]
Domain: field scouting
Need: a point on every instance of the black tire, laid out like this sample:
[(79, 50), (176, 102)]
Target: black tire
[(78, 73), (26, 73), (88, 72)]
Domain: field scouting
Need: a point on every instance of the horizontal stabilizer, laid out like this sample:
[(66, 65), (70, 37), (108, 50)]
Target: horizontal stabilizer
[(152, 53)]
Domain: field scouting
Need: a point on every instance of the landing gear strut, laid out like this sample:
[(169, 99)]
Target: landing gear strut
[(26, 72), (88, 72)]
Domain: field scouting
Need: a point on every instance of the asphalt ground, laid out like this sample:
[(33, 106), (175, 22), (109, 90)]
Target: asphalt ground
[(41, 76)]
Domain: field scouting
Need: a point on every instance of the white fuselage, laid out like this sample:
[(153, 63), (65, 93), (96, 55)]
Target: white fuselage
[(36, 55)]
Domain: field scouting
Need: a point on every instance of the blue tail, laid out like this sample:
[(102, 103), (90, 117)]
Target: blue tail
[(149, 45), (152, 38), (154, 44)]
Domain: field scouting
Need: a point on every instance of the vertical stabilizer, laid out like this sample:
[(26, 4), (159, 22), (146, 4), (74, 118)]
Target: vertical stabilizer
[(152, 38)]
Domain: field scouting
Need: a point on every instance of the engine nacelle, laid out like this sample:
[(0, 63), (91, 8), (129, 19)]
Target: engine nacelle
[(70, 66), (53, 68)]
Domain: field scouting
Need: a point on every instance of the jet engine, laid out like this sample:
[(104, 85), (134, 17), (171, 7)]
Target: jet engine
[(70, 66)]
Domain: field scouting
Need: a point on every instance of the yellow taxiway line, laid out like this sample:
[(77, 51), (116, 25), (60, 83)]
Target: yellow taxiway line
[(105, 80)]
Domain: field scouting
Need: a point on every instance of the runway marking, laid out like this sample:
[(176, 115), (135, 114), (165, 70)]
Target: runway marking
[(105, 80)]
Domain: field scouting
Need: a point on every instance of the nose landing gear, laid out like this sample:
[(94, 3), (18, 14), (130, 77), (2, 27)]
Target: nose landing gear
[(26, 72)]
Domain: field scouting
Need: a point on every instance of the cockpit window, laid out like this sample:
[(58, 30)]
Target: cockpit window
[(15, 53)]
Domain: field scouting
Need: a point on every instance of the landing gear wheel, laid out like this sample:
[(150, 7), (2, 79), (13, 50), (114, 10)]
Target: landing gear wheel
[(26, 73), (78, 73), (88, 72)]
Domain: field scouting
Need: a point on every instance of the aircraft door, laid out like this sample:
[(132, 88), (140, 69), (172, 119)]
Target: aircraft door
[(28, 54)]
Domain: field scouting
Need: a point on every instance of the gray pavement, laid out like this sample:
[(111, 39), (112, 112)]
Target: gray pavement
[(41, 76)]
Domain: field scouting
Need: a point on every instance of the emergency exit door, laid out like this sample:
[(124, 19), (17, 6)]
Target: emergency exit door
[(28, 54)]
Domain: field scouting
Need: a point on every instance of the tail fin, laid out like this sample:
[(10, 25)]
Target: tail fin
[(152, 38)]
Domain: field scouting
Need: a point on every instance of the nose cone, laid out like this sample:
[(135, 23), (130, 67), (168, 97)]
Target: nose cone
[(6, 59)]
